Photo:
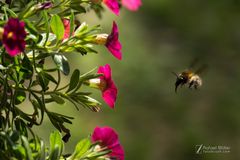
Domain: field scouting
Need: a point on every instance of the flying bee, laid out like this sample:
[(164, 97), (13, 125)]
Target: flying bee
[(190, 78)]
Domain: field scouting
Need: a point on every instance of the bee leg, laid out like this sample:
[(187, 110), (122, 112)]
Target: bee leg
[(190, 85), (176, 87), (177, 83)]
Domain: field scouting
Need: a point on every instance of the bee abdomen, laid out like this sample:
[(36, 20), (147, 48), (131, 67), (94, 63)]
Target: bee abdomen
[(195, 81)]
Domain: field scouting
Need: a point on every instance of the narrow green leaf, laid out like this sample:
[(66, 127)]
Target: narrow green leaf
[(50, 77), (39, 104), (57, 27), (30, 27), (57, 99), (47, 26), (27, 148), (42, 151), (71, 23), (74, 80), (11, 12)]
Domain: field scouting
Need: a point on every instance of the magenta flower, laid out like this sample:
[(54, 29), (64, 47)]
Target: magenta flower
[(132, 5), (108, 138), (107, 86), (112, 5), (14, 36), (66, 24), (113, 44)]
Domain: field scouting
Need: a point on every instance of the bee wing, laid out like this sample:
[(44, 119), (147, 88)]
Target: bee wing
[(193, 63), (202, 69)]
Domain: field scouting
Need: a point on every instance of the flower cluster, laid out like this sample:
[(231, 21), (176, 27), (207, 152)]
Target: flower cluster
[(30, 34), (114, 5), (108, 139), (14, 36)]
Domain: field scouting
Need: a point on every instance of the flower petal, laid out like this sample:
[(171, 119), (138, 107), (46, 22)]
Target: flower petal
[(106, 71), (66, 23), (110, 95), (113, 44), (132, 5), (14, 36), (109, 138), (112, 5)]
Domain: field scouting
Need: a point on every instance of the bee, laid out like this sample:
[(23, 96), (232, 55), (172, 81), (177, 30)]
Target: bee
[(190, 78)]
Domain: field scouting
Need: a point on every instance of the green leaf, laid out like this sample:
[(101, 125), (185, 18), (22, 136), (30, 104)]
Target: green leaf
[(26, 68), (19, 151), (30, 27), (56, 145), (20, 96), (57, 99), (57, 27), (14, 136), (27, 11), (74, 80), (11, 12), (62, 62), (39, 104), (27, 148), (77, 7), (43, 81), (42, 151), (81, 29), (50, 77), (47, 26), (71, 23), (81, 148)]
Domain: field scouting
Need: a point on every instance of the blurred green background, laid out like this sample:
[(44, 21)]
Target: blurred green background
[(153, 122)]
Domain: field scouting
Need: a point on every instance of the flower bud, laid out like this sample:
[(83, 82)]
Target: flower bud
[(44, 5), (95, 105)]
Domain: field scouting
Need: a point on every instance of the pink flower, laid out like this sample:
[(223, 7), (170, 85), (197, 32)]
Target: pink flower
[(66, 24), (108, 138), (112, 5), (14, 36), (113, 44), (107, 86), (132, 5)]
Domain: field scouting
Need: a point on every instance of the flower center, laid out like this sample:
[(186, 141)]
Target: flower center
[(103, 85), (101, 39), (10, 35), (98, 83), (100, 148)]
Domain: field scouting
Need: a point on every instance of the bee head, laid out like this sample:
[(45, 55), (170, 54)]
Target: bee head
[(181, 80)]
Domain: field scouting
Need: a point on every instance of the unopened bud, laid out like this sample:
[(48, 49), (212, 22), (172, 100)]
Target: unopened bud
[(94, 104), (44, 5)]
